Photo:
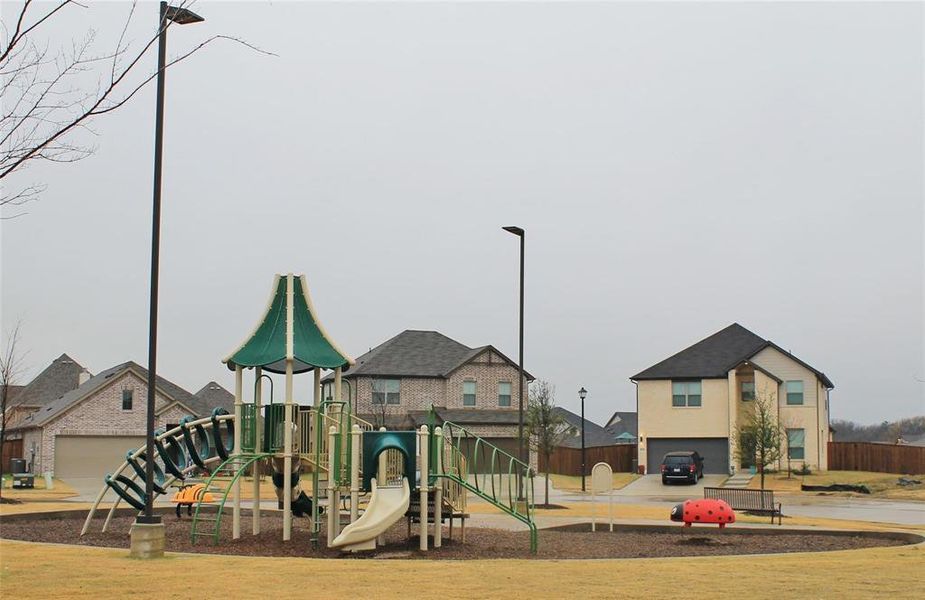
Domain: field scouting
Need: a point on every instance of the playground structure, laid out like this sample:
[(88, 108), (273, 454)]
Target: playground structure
[(345, 458)]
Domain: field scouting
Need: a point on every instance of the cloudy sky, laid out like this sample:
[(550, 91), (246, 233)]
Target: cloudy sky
[(677, 167)]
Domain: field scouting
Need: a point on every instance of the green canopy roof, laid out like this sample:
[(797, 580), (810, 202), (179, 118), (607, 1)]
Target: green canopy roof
[(289, 329)]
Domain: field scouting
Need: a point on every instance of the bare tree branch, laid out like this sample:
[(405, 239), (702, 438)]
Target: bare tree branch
[(46, 99), (11, 368)]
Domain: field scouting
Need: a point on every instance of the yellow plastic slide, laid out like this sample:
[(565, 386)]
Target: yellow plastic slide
[(386, 506)]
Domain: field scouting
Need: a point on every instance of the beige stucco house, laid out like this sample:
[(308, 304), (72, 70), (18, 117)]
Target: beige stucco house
[(695, 399)]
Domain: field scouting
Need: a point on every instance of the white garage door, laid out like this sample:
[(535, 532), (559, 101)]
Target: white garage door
[(91, 455)]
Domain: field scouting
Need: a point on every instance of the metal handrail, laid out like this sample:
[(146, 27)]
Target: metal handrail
[(456, 469)]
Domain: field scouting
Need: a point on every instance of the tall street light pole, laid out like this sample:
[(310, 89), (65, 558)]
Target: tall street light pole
[(519, 232), (180, 16), (581, 394)]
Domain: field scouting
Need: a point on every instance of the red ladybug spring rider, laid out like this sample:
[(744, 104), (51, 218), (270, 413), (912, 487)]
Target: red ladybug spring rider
[(703, 511)]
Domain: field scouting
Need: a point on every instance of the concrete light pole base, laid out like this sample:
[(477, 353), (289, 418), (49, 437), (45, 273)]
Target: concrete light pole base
[(147, 540)]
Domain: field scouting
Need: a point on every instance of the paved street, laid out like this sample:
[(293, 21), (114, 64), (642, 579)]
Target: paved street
[(649, 491), (652, 486)]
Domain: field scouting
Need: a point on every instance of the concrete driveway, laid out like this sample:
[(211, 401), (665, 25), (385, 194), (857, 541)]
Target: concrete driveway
[(652, 487), (87, 489)]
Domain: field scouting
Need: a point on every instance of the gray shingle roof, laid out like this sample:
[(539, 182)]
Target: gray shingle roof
[(478, 416), (461, 416), (75, 396), (212, 395), (57, 379), (414, 353), (595, 435), (622, 422), (714, 356), (12, 391)]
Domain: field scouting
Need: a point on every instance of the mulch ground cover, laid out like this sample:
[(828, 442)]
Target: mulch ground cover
[(480, 543)]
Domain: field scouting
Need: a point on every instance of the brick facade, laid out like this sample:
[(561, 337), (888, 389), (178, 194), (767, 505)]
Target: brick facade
[(419, 393), (101, 415)]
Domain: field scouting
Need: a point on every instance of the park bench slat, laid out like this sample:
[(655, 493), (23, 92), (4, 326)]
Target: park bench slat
[(757, 501)]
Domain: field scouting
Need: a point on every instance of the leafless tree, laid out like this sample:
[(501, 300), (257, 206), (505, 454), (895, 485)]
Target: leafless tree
[(546, 426), (11, 368), (46, 100), (761, 436)]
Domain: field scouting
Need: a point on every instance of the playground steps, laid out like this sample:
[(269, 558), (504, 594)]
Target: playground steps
[(207, 520)]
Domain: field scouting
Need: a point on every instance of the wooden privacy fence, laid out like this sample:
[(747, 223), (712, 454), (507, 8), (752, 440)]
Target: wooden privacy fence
[(567, 461), (881, 458), (11, 449)]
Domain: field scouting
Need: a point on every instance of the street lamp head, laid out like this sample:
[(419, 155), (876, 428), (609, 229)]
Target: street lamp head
[(515, 230), (182, 16), (582, 393)]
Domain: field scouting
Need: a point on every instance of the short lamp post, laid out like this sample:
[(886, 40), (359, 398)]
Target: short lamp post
[(148, 534), (581, 394)]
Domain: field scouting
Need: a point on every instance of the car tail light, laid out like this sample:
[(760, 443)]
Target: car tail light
[(664, 468), (693, 468)]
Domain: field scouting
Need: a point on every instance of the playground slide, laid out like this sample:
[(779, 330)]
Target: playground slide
[(387, 505)]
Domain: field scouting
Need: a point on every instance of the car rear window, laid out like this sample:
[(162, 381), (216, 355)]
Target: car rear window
[(677, 460)]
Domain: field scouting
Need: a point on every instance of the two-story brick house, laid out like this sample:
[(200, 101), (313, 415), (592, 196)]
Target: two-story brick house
[(396, 383), (695, 400)]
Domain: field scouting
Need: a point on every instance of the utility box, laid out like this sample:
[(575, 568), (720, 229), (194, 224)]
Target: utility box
[(21, 478)]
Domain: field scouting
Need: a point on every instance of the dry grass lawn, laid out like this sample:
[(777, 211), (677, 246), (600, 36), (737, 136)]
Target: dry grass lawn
[(71, 572), (59, 491), (881, 485), (573, 483)]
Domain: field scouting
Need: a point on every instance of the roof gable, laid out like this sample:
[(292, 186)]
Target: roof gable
[(212, 396), (416, 353), (710, 357), (622, 423), (57, 379), (413, 353), (595, 435), (714, 356), (174, 393)]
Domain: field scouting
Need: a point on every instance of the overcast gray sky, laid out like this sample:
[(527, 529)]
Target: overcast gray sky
[(677, 167)]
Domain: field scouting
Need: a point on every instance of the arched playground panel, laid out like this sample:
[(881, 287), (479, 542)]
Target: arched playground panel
[(377, 442)]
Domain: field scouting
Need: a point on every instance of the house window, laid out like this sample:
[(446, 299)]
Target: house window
[(386, 391), (126, 399), (748, 391), (468, 393), (685, 393), (795, 441), (504, 393), (794, 393)]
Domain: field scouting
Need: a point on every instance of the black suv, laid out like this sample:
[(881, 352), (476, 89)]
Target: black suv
[(682, 466)]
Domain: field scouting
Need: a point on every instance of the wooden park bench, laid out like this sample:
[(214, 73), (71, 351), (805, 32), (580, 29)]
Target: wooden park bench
[(752, 501)]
